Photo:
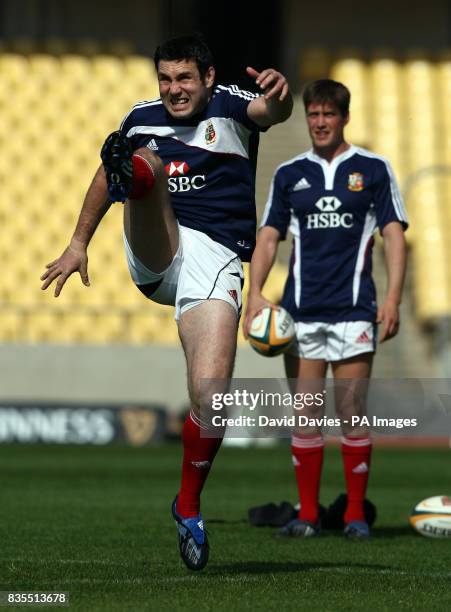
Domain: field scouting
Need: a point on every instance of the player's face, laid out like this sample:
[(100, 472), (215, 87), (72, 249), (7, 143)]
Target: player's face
[(183, 92), (326, 126)]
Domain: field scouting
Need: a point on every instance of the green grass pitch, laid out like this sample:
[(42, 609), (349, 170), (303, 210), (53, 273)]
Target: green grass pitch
[(96, 522)]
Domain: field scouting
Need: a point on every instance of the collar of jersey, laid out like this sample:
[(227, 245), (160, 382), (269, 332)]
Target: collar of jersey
[(312, 156)]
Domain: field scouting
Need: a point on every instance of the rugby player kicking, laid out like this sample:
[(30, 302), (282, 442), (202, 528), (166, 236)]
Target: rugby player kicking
[(332, 198), (185, 166)]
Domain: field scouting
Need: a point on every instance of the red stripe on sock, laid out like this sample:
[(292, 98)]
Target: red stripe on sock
[(198, 456), (356, 462), (143, 178)]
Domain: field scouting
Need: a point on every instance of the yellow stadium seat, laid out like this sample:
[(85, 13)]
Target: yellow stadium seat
[(421, 107), (44, 65), (139, 66), (76, 327), (141, 76), (42, 326), (108, 327), (108, 68), (144, 328), (443, 77), (75, 66), (276, 282), (13, 67), (386, 110), (430, 259), (351, 70), (57, 325), (11, 325)]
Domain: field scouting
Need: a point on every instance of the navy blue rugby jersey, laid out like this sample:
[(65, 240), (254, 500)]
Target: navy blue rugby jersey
[(332, 210), (210, 160)]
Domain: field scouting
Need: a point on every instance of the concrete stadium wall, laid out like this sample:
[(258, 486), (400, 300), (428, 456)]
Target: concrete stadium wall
[(109, 374)]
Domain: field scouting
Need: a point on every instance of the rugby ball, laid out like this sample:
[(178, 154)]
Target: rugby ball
[(272, 331), (432, 517)]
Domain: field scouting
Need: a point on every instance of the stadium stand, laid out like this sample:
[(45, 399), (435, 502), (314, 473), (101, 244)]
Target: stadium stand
[(57, 153), (399, 109), (348, 68), (385, 108)]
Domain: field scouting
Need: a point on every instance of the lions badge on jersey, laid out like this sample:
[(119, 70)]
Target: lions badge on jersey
[(355, 181), (210, 134)]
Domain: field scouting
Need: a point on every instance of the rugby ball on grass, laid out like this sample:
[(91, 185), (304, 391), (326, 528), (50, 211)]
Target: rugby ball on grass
[(272, 331), (432, 517)]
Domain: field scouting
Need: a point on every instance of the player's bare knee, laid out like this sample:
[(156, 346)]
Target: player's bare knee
[(315, 411), (195, 410), (201, 398), (206, 397), (349, 414)]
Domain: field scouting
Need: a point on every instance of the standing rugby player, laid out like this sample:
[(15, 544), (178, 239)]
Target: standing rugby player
[(332, 198), (185, 165)]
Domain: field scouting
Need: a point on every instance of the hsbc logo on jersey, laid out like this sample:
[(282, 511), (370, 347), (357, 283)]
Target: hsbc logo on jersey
[(328, 204), (176, 168), (328, 217), (179, 179)]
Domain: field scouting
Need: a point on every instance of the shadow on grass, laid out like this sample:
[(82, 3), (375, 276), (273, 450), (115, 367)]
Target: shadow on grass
[(376, 532), (220, 521), (391, 532), (272, 567)]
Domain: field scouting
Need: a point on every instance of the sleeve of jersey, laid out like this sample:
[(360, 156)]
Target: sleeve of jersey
[(387, 197), (237, 100), (277, 210), (127, 123)]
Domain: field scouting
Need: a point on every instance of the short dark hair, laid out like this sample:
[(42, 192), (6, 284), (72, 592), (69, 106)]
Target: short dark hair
[(327, 91), (185, 48)]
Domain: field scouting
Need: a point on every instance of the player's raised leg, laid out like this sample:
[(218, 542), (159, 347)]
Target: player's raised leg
[(139, 179), (208, 333), (307, 447), (356, 447)]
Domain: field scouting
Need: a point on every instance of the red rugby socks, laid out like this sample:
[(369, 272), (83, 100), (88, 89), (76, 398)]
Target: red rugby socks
[(356, 453), (198, 455), (308, 453), (143, 177)]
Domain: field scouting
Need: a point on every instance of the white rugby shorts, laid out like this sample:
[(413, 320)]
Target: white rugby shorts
[(333, 341), (201, 270)]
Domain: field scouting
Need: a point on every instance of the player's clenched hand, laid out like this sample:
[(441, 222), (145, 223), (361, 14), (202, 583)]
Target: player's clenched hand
[(272, 83), (388, 316), (73, 259), (254, 304)]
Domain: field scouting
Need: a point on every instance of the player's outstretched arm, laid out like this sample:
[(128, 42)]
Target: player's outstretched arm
[(75, 257), (276, 103), (262, 261), (395, 261)]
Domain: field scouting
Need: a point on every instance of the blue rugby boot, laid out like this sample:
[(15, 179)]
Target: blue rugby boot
[(357, 530), (116, 156), (193, 541), (298, 528)]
